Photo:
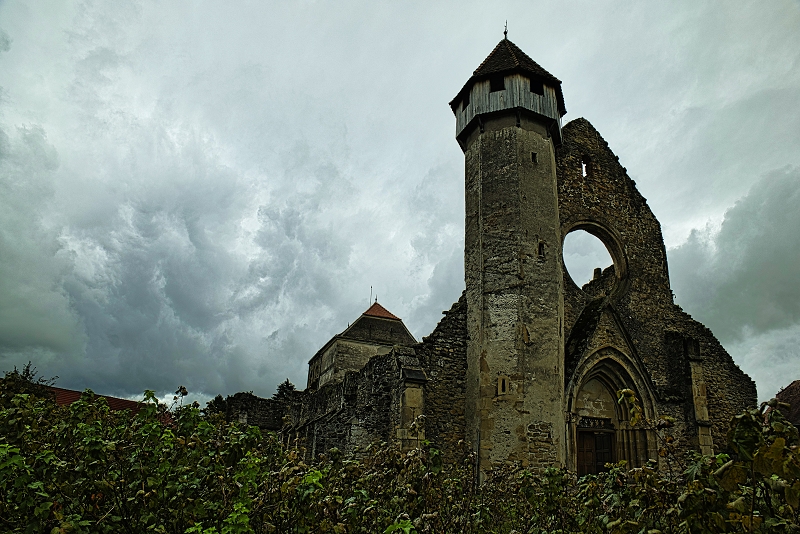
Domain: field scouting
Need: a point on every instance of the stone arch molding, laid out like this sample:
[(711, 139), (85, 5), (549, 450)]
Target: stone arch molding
[(614, 244), (611, 370), (616, 369)]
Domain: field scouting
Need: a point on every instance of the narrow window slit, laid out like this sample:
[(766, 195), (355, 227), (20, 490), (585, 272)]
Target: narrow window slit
[(585, 166), (502, 385)]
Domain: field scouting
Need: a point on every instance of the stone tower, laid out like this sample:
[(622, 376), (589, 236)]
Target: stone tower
[(508, 123)]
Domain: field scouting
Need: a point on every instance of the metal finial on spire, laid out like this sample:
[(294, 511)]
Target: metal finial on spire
[(505, 31)]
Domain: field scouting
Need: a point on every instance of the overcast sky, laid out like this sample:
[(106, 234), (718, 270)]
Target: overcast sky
[(202, 193)]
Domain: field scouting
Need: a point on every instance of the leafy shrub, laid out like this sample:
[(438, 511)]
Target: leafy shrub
[(85, 468)]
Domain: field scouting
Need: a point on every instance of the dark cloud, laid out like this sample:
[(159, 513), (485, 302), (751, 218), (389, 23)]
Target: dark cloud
[(204, 195), (694, 100), (740, 278), (770, 358), (35, 312), (725, 147)]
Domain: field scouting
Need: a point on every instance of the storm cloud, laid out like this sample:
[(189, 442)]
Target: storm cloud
[(741, 278), (200, 194)]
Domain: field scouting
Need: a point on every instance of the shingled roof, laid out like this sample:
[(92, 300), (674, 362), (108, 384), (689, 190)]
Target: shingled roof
[(508, 58), (379, 325), (376, 325)]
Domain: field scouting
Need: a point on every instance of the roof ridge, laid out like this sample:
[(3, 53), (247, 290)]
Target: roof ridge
[(511, 51)]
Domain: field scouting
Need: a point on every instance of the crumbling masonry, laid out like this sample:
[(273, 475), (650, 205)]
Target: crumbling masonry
[(526, 366)]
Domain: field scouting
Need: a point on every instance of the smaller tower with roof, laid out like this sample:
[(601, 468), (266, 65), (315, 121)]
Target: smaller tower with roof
[(375, 332)]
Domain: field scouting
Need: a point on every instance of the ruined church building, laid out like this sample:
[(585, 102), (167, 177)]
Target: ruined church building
[(526, 365)]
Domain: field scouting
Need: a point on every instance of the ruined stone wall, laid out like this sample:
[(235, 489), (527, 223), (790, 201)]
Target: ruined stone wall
[(354, 355), (314, 371), (321, 367), (607, 204), (729, 389), (379, 402), (443, 355), (249, 409), (791, 396), (341, 356), (321, 419), (365, 407)]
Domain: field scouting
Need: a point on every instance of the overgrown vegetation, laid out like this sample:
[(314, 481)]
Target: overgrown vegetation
[(84, 468)]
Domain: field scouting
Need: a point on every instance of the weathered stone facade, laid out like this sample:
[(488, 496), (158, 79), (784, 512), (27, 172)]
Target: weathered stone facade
[(246, 408), (443, 356), (526, 366), (673, 363)]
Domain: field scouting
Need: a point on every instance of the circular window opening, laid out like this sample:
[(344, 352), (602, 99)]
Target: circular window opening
[(587, 258)]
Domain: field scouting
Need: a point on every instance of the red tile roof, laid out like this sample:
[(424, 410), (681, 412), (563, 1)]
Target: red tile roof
[(68, 396), (376, 310)]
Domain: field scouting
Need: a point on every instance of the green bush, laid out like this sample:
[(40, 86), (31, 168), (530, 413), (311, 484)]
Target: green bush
[(85, 468)]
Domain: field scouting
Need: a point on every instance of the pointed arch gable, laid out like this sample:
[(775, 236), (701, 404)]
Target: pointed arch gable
[(623, 344), (585, 340)]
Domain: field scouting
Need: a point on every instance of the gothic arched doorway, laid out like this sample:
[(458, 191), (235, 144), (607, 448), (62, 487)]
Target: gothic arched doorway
[(600, 431), (596, 427)]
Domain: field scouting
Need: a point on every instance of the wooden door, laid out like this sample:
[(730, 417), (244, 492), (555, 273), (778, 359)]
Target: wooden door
[(603, 453), (586, 463), (595, 449)]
